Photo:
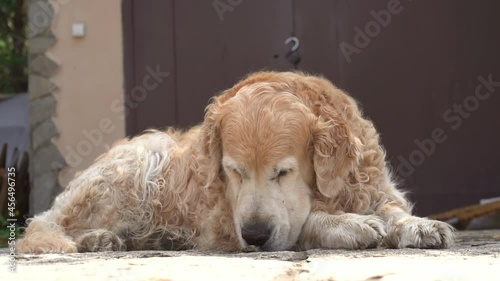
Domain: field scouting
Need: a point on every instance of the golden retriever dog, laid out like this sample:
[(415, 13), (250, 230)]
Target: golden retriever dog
[(282, 161)]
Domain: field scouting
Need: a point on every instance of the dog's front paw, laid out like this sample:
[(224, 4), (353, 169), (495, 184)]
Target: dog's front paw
[(100, 240), (357, 232), (414, 232)]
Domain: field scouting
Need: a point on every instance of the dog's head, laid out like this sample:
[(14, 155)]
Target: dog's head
[(275, 138)]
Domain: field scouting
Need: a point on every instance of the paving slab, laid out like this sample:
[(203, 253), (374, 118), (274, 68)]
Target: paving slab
[(476, 256)]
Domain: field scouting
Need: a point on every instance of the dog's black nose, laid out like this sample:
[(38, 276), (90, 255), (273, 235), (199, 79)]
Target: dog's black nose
[(256, 234)]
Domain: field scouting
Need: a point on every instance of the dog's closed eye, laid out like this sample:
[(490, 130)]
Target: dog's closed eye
[(283, 172), (237, 172), (280, 174)]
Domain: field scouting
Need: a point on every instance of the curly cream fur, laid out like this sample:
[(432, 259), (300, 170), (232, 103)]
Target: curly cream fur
[(177, 190)]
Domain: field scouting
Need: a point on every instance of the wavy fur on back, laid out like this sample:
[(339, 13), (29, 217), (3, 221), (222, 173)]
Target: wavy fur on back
[(171, 190)]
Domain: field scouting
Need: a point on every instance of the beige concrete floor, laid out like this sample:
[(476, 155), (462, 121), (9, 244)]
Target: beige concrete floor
[(476, 256)]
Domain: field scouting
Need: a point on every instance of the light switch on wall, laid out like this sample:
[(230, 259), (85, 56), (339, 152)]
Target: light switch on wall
[(78, 29)]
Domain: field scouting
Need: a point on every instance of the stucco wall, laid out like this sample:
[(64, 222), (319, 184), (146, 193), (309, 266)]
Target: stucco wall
[(90, 86)]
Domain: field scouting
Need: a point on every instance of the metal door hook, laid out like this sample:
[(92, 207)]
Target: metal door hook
[(295, 41)]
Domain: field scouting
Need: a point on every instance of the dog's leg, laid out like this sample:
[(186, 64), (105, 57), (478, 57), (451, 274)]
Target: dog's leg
[(45, 236), (99, 240), (407, 231), (342, 231)]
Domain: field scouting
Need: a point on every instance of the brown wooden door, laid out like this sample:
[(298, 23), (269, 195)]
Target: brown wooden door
[(409, 71), (205, 49)]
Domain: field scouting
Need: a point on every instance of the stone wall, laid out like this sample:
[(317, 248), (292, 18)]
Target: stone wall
[(46, 159)]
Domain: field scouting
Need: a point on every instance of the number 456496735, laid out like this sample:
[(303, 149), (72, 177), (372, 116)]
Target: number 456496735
[(11, 196)]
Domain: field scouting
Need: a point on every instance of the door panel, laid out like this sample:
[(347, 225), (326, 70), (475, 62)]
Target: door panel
[(149, 48), (213, 54)]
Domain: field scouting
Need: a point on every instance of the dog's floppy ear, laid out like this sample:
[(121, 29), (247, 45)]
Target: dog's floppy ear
[(337, 146), (336, 152), (210, 142), (210, 137)]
